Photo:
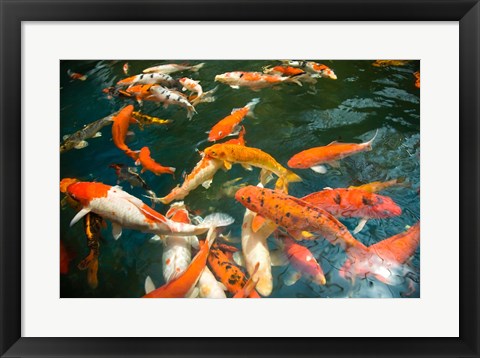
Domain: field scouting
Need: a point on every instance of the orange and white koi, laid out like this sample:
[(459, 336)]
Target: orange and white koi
[(313, 68), (354, 203), (231, 123), (149, 164), (167, 97), (227, 272), (192, 86), (150, 79), (120, 128), (127, 211), (253, 80), (313, 158), (377, 186), (302, 262), (296, 215), (184, 285), (384, 260), (76, 76), (248, 157), (172, 68)]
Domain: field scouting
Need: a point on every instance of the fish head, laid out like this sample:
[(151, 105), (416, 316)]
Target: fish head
[(84, 192), (178, 212), (296, 161), (251, 197), (328, 73), (384, 206), (216, 151), (229, 77)]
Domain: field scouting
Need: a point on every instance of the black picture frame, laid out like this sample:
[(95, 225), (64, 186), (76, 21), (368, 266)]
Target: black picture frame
[(467, 12)]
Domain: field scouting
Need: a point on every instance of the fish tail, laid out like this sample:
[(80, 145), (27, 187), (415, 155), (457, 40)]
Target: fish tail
[(152, 196), (292, 177), (251, 106), (197, 67), (369, 143), (294, 80), (191, 111), (217, 220)]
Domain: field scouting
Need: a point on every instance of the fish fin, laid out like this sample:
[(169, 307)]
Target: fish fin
[(79, 215), (247, 166), (321, 169), (278, 258), (227, 165), (193, 293), (155, 238), (257, 222), (81, 144), (66, 136), (194, 242), (217, 220), (222, 286), (238, 258), (360, 226), (206, 184), (251, 106), (97, 135), (291, 277), (265, 176), (369, 143), (294, 80), (149, 285), (327, 188), (197, 67), (334, 164), (116, 230), (130, 133), (234, 87)]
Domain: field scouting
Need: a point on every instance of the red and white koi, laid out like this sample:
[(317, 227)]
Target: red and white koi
[(313, 68), (253, 80), (127, 211), (192, 86), (172, 68)]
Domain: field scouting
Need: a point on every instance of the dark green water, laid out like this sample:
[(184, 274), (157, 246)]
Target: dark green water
[(289, 119)]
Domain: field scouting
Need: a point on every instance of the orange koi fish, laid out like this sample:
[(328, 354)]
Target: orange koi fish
[(313, 68), (313, 158), (120, 128), (227, 272), (231, 123), (249, 285), (173, 67), (76, 76), (253, 80), (377, 186), (248, 157), (295, 215), (385, 63), (184, 285), (148, 163), (354, 203), (140, 92), (284, 70), (385, 259), (93, 225), (302, 261), (127, 211), (417, 79), (150, 79)]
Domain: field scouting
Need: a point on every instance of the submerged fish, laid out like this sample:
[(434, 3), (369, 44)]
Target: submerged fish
[(77, 140), (149, 164), (377, 186), (120, 126), (145, 119), (172, 68), (354, 203), (76, 76), (313, 158), (127, 211), (313, 68), (129, 174), (231, 123), (284, 70), (253, 80)]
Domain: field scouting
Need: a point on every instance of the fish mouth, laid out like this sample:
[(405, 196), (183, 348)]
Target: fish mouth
[(333, 76)]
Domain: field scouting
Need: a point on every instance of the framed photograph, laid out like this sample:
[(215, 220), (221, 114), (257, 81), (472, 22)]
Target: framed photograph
[(280, 151)]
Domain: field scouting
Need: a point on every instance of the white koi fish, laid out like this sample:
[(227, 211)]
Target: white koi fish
[(167, 97), (150, 79)]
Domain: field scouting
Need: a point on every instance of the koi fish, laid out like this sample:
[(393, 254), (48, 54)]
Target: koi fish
[(240, 140), (385, 259), (130, 175), (192, 86), (248, 157), (385, 63), (354, 203), (127, 211), (145, 119), (296, 215), (253, 80), (125, 68), (249, 285), (313, 158), (184, 285), (140, 92), (283, 70), (76, 76), (150, 79), (417, 79), (167, 97), (209, 287), (231, 123), (316, 69), (172, 68), (255, 252), (227, 272), (120, 128), (148, 163), (302, 261), (78, 139), (377, 186), (92, 224)]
